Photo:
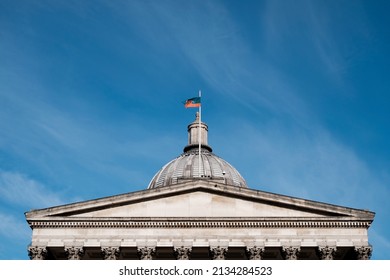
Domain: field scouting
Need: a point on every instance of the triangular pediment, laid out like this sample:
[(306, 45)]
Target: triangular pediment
[(199, 200), (199, 204)]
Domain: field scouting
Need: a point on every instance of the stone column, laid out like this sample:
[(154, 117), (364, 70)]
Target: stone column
[(363, 253), (290, 253), (146, 253), (218, 253), (255, 253), (74, 253), (37, 253), (110, 253), (182, 253), (327, 253)]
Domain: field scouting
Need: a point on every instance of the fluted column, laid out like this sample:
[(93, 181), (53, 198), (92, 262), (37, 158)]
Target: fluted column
[(290, 253), (364, 252), (37, 253), (327, 253), (218, 253), (182, 253), (74, 253), (255, 253), (146, 253), (110, 253)]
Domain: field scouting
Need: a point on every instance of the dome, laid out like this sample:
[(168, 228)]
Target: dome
[(187, 166)]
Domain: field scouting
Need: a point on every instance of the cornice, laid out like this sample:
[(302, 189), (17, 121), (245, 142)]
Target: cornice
[(201, 223)]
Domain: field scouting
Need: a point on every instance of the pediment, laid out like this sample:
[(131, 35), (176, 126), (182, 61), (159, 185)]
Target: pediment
[(199, 204), (199, 200)]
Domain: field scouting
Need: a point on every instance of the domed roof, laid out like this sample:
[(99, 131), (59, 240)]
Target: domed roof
[(187, 167)]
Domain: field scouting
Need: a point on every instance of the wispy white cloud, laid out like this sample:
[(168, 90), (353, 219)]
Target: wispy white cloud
[(311, 164), (315, 31), (18, 189), (206, 36), (13, 228), (298, 154), (303, 162)]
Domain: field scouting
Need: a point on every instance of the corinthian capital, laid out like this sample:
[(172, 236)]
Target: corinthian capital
[(146, 253), (364, 252), (182, 253), (290, 253), (327, 253), (37, 253), (74, 253), (255, 253), (110, 253), (218, 253)]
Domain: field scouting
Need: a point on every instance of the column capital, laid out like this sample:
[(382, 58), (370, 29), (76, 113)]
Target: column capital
[(363, 253), (146, 253), (110, 253), (182, 253), (218, 253), (255, 253), (327, 252), (37, 253), (74, 253), (290, 253)]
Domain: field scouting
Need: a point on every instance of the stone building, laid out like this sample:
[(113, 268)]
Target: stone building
[(199, 207)]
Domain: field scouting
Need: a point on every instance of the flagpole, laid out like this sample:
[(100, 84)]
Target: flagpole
[(200, 132)]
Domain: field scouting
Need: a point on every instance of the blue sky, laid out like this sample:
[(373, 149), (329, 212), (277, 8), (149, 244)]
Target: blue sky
[(295, 93)]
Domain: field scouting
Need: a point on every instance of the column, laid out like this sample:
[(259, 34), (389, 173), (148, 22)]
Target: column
[(327, 253), (182, 253), (110, 253), (255, 253), (37, 253), (146, 253), (218, 253), (74, 253), (364, 252), (290, 253)]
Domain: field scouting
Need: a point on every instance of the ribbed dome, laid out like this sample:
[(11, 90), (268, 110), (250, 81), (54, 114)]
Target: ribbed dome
[(186, 167)]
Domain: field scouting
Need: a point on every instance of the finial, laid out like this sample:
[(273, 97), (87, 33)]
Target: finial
[(197, 116)]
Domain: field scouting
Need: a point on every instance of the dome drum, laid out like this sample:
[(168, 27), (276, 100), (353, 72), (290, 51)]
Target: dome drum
[(187, 167)]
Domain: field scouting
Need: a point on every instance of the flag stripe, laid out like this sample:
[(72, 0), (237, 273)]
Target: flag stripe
[(192, 102)]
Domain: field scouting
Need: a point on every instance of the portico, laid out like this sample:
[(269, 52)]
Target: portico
[(214, 222), (198, 206)]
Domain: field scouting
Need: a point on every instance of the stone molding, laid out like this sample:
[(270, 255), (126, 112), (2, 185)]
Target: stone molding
[(37, 253), (200, 224), (218, 253), (146, 253), (182, 253), (290, 253), (110, 253), (255, 253), (363, 253), (74, 253)]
